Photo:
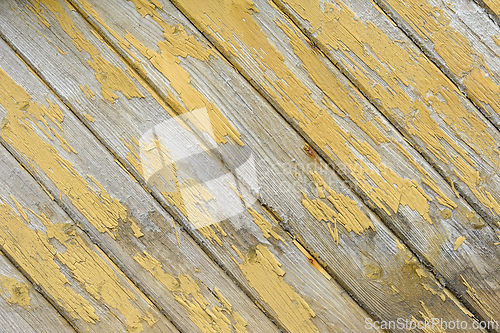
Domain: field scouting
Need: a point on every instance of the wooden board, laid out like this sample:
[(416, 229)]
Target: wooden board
[(461, 40), (125, 222), (22, 308), (110, 27), (414, 94), (303, 295), (61, 261), (492, 8), (297, 80), (379, 253)]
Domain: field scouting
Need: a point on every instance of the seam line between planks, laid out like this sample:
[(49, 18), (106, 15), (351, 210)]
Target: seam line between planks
[(287, 229), (37, 288), (63, 206), (368, 202)]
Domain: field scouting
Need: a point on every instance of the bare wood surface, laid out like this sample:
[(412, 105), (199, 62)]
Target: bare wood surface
[(22, 308), (301, 295), (60, 260), (492, 7), (110, 26), (461, 40), (298, 80), (129, 226)]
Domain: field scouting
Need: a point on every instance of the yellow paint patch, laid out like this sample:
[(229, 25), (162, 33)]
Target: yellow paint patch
[(265, 275), (177, 43), (265, 226), (311, 260), (477, 298), (432, 22), (36, 256), (15, 292), (459, 241), (345, 210), (399, 70), (237, 32), (208, 319), (32, 250), (493, 5), (111, 78), (103, 211), (88, 117)]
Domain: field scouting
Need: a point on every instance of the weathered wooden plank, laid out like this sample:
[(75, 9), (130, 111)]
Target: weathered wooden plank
[(299, 81), (62, 262), (126, 222), (412, 92), (22, 308), (109, 17), (296, 288), (461, 40), (492, 7)]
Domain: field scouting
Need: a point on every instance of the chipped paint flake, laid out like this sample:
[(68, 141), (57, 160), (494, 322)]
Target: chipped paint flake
[(15, 292), (209, 319), (265, 275)]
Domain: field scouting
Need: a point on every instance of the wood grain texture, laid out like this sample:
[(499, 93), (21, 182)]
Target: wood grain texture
[(301, 297), (115, 26), (22, 308), (492, 7), (413, 93), (378, 259), (61, 261), (461, 40), (354, 137), (122, 218)]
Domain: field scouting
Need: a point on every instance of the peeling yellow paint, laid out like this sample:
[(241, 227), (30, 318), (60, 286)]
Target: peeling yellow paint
[(430, 289), (459, 241), (311, 260), (209, 319), (33, 252), (103, 211), (432, 22), (237, 31), (264, 225), (88, 117), (493, 5), (177, 43), (477, 298), (399, 70), (15, 292), (111, 78), (345, 210), (265, 275)]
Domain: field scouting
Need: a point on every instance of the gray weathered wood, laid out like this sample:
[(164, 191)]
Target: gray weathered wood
[(461, 40), (351, 138), (61, 261), (126, 223), (301, 282), (413, 93), (22, 308), (352, 248)]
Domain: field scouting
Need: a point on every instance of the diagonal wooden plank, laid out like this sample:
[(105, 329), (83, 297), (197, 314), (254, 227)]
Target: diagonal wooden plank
[(413, 93), (301, 296), (129, 226), (116, 31), (299, 94), (62, 262), (492, 7), (461, 40), (22, 308)]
